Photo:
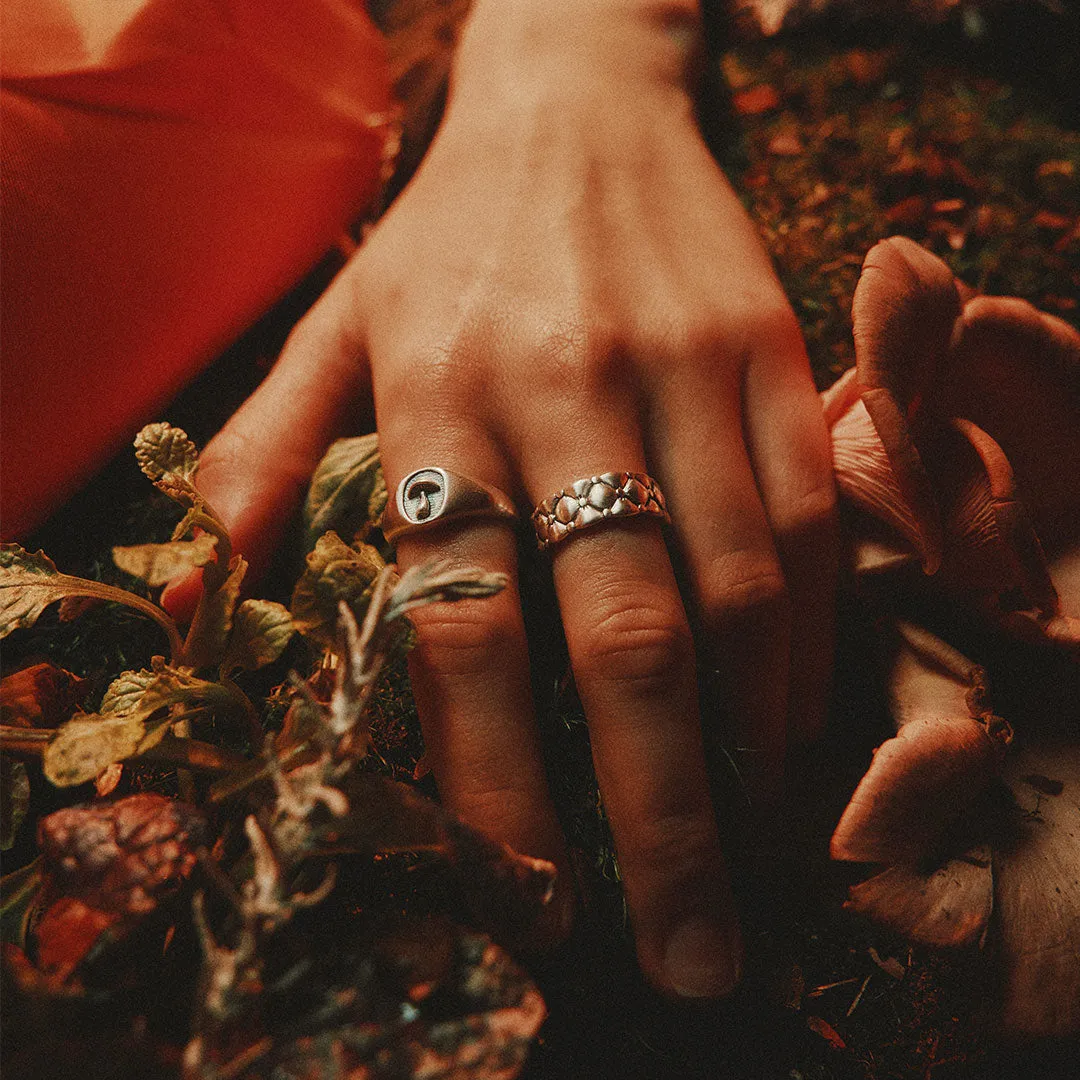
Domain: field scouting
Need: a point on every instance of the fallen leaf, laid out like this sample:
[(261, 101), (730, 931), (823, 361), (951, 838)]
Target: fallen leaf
[(66, 932), (823, 1028), (756, 100), (890, 965), (39, 696), (786, 144)]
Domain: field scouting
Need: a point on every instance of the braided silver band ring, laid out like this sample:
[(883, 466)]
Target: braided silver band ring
[(595, 499), (432, 495)]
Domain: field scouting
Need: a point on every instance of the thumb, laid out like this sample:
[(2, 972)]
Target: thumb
[(256, 469)]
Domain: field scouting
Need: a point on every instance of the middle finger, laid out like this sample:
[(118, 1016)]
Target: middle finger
[(633, 659)]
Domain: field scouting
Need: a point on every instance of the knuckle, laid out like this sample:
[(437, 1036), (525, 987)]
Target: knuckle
[(643, 641), (812, 509), (676, 843), (575, 354), (742, 583), (464, 639)]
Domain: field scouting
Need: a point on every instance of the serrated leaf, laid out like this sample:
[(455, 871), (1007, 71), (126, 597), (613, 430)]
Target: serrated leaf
[(158, 564), (335, 573), (161, 449), (261, 630), (29, 583), (347, 492), (89, 743), (14, 799), (124, 692), (142, 693), (214, 618)]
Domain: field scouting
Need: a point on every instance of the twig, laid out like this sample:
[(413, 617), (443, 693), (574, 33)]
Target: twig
[(858, 997)]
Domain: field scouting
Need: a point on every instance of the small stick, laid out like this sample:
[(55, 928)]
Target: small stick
[(858, 997)]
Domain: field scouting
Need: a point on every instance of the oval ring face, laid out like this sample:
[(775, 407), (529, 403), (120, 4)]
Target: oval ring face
[(423, 495)]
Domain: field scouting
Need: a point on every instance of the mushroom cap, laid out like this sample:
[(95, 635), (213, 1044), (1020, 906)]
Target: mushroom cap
[(1037, 892), (947, 907), (904, 310), (1015, 372)]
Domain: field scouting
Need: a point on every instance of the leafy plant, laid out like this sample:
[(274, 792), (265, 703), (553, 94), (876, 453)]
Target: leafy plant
[(255, 848)]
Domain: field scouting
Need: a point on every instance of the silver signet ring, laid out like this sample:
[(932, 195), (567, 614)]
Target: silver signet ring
[(432, 496)]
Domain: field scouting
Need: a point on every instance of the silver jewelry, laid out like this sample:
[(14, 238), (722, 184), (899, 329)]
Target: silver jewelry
[(432, 495), (595, 499)]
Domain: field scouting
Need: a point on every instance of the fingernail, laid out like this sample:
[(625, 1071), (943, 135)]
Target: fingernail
[(703, 958)]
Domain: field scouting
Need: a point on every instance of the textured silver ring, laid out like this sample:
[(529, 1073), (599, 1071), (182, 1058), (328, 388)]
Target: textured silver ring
[(595, 499), (433, 496)]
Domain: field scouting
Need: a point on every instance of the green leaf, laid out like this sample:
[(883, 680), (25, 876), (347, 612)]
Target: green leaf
[(169, 458), (161, 449), (14, 799), (335, 572), (158, 564), (142, 693), (88, 743), (125, 691), (347, 493), (28, 585), (214, 618), (261, 630)]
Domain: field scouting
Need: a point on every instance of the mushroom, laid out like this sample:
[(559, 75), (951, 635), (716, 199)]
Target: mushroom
[(977, 837), (944, 401)]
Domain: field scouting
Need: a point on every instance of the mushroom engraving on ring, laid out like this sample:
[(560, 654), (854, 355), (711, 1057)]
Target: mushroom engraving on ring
[(422, 496)]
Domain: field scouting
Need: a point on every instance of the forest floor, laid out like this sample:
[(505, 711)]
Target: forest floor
[(832, 146)]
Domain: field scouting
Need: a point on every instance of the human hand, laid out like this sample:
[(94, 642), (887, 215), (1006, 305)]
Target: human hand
[(569, 286)]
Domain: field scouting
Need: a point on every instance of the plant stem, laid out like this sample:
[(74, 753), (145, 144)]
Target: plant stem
[(75, 586), (23, 741)]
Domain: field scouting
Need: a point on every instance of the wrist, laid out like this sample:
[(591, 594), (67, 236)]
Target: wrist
[(517, 50)]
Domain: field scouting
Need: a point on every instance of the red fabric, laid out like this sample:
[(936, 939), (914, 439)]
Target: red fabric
[(170, 168)]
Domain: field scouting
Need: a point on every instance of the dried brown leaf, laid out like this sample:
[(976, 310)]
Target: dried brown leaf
[(40, 696)]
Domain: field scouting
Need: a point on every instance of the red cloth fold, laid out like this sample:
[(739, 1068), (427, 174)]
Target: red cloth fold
[(170, 168)]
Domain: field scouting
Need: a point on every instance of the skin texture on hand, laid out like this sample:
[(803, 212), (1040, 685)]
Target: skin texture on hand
[(569, 286)]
